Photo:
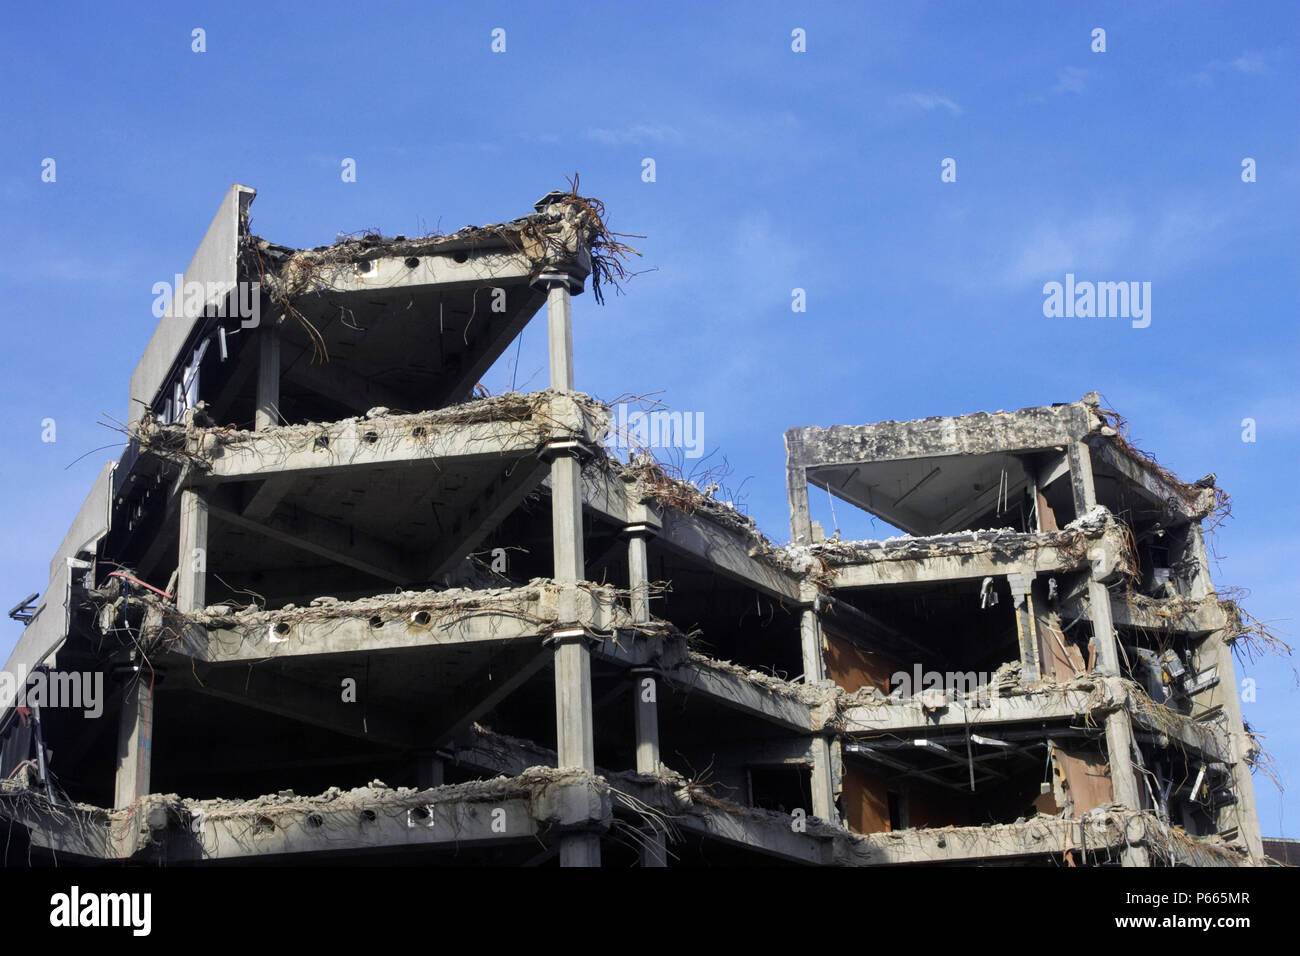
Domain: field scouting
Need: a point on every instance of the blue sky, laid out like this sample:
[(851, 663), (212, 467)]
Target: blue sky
[(775, 170)]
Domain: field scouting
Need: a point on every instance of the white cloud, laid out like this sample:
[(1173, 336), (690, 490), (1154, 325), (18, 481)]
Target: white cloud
[(1080, 245), (636, 133), (928, 102), (1071, 79), (1250, 63)]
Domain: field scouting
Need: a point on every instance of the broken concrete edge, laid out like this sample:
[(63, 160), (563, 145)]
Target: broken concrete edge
[(1034, 428), (547, 604), (587, 603), (222, 631), (1192, 615), (558, 233), (1108, 829), (515, 419), (558, 800), (812, 695), (1201, 498), (543, 416), (1073, 539), (539, 417), (1088, 696), (648, 481), (565, 800)]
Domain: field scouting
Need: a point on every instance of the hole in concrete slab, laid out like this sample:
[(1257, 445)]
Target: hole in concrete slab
[(281, 629), (263, 825), (315, 820), (418, 431), (322, 441), (412, 262), (376, 621), (367, 816), (419, 814), (421, 618), (364, 266), (461, 256), (370, 437)]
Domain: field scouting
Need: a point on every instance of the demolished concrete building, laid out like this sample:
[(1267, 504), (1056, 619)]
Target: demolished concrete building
[(345, 607)]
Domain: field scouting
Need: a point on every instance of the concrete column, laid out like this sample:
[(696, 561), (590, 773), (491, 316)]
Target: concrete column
[(1119, 727), (638, 567), (1217, 652), (192, 557), (796, 485), (268, 376), (1082, 487), (574, 746), (810, 636), (559, 326), (814, 672), (823, 781), (429, 770), (573, 717), (135, 738), (645, 690), (645, 683), (1026, 625)]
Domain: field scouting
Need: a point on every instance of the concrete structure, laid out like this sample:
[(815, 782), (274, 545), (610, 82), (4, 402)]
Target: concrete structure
[(344, 607)]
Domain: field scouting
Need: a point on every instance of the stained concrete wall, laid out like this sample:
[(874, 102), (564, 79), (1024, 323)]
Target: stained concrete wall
[(215, 261)]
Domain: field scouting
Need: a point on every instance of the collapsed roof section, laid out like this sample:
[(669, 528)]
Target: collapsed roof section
[(985, 471), (413, 322)]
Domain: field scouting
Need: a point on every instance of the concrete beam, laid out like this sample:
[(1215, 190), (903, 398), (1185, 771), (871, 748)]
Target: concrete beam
[(497, 500), (333, 381), (1038, 706), (270, 492), (1152, 485), (1155, 614), (473, 703), (1101, 836), (731, 689), (981, 433), (692, 536), (966, 557), (460, 817), (424, 619), (724, 552), (330, 540), (910, 716), (392, 441), (271, 692), (763, 831), (484, 268)]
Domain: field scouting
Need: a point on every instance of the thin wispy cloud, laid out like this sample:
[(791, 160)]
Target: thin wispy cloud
[(1249, 63), (928, 102), (636, 133), (1071, 79), (1051, 249)]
